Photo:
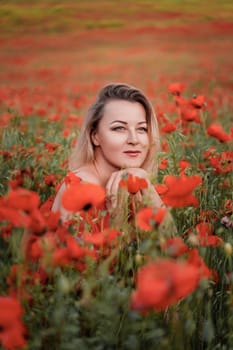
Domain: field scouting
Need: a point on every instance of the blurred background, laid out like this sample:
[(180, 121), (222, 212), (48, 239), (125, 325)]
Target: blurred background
[(53, 50)]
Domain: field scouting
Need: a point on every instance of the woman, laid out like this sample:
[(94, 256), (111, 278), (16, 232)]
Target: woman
[(119, 136)]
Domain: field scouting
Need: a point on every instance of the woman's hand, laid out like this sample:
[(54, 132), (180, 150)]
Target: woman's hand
[(118, 198), (113, 184)]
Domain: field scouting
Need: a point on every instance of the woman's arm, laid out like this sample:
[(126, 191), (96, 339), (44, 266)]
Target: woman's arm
[(57, 205)]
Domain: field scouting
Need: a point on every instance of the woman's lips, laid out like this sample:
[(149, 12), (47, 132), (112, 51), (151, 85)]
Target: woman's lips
[(132, 153)]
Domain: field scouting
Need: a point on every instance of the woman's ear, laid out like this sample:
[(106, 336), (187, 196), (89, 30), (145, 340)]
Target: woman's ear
[(94, 138)]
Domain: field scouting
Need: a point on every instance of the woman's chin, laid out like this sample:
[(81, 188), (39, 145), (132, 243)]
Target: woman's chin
[(131, 164)]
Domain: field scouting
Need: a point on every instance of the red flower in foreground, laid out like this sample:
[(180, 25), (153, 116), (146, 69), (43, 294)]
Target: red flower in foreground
[(12, 329), (163, 283), (133, 183), (22, 199), (149, 218), (71, 179), (216, 131), (83, 196), (20, 208), (177, 191)]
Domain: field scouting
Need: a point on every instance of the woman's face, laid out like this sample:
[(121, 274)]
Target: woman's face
[(122, 138)]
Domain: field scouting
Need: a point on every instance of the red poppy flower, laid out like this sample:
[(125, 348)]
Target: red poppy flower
[(6, 154), (148, 218), (205, 235), (175, 246), (196, 260), (133, 183), (222, 163), (176, 88), (50, 180), (13, 216), (180, 101), (228, 207), (168, 128), (51, 147), (71, 178), (198, 101), (216, 131), (52, 220), (37, 224), (184, 164), (21, 278), (163, 164), (22, 199), (12, 330), (163, 283), (107, 237), (72, 254), (189, 114), (177, 191), (83, 196)]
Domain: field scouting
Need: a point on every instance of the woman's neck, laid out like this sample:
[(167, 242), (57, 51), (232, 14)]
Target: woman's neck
[(103, 170)]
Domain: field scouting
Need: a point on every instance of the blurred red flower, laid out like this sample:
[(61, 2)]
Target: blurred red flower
[(163, 283), (198, 101), (50, 180), (205, 235), (71, 179), (20, 208), (148, 218), (222, 163), (189, 114), (196, 260), (83, 196), (107, 237), (22, 199), (176, 88), (12, 330), (184, 164), (72, 254), (51, 147), (133, 184), (163, 164), (177, 191), (216, 131), (175, 246), (168, 128)]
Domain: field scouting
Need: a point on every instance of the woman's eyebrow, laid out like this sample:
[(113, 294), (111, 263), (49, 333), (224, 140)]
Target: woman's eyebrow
[(120, 121)]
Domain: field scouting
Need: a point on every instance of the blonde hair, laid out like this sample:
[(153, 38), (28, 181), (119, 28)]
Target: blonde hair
[(83, 151)]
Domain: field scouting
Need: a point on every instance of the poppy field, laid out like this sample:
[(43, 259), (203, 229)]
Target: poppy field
[(130, 279)]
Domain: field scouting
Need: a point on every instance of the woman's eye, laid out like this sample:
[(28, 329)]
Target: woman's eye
[(118, 128), (143, 129)]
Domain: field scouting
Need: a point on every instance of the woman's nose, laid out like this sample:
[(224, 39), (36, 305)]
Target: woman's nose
[(132, 137)]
